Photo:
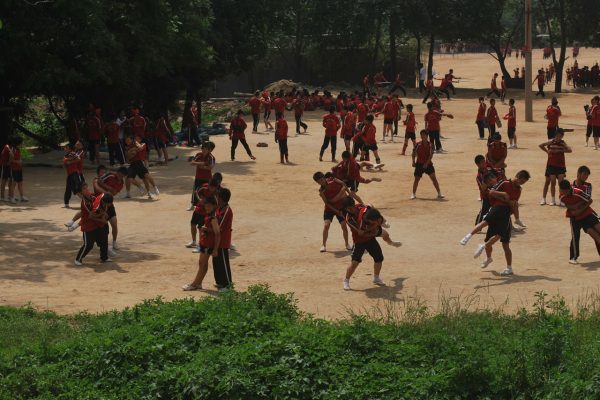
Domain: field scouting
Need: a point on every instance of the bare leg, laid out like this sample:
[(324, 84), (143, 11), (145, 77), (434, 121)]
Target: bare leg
[(351, 269), (436, 185), (193, 231), (202, 269), (377, 268), (416, 184), (326, 226), (345, 232), (507, 253), (553, 186), (546, 185), (114, 228)]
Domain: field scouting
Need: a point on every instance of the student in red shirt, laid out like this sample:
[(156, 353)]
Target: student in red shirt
[(72, 163), (115, 150), (410, 124), (480, 119), (348, 171), (332, 191), (502, 89), (224, 216), (5, 176), (111, 183), (190, 123), (136, 154), (349, 125), (578, 209), (388, 119), (162, 133), (369, 139), (254, 104), (511, 117), (421, 160), (299, 104), (281, 137), (94, 224), (236, 134), (556, 167), (429, 90), (553, 113), (541, 79), (208, 190), (331, 123), (267, 103), (594, 118), (397, 107), (398, 85), (432, 125), (204, 161), (588, 116), (485, 178), (279, 104), (16, 170), (582, 184), (210, 241), (492, 118), (496, 154), (493, 86)]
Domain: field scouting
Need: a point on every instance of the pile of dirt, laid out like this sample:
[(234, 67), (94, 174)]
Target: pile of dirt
[(283, 84)]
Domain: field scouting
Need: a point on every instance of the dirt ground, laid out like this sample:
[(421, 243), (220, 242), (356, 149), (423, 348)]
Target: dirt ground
[(278, 223)]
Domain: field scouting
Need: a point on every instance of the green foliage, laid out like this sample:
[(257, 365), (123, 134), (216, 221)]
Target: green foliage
[(258, 345)]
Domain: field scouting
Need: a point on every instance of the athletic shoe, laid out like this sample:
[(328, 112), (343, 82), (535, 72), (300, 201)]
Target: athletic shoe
[(78, 263), (24, 199), (346, 284), (349, 248), (561, 204), (507, 271), (486, 262), (189, 287), (190, 208), (191, 245), (13, 200), (69, 223), (323, 249), (105, 261), (440, 196), (378, 281), (65, 206), (112, 253), (413, 196), (520, 223), (196, 250), (252, 158), (151, 196), (156, 191), (115, 245), (232, 247), (223, 289), (466, 239), (573, 261), (395, 243), (543, 202), (479, 250), (553, 203)]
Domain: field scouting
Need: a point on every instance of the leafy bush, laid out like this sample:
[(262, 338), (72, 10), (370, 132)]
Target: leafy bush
[(258, 345)]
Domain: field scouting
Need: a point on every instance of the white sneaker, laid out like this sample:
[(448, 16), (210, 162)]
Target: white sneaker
[(112, 253), (346, 284), (191, 245), (196, 250), (323, 249), (78, 263), (190, 208), (13, 200), (520, 223), (413, 196), (378, 281), (440, 196), (507, 271), (349, 247), (64, 206), (24, 199), (479, 250), (189, 287), (395, 243), (486, 262), (156, 191), (573, 261), (115, 245), (105, 261), (543, 202), (553, 203), (466, 239), (232, 247)]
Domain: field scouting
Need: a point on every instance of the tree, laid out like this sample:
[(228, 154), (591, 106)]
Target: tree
[(555, 18)]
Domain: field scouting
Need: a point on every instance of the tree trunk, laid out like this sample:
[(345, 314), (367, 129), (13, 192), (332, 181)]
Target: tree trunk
[(377, 41), (298, 44), (430, 61), (418, 55), (393, 64), (501, 57)]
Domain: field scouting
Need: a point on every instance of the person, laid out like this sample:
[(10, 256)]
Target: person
[(541, 80), (136, 153), (15, 164), (593, 116), (493, 86), (432, 125), (349, 126), (588, 128), (279, 104), (480, 119), (429, 90), (348, 171), (502, 89), (421, 159), (496, 154), (299, 104), (397, 106), (511, 117), (410, 124), (94, 132), (366, 225), (388, 119), (138, 125), (94, 224), (210, 240), (486, 179), (556, 167), (398, 85), (492, 118), (332, 191), (581, 215), (5, 176), (224, 216), (254, 104), (450, 80), (443, 88), (111, 183), (204, 161), (208, 190), (162, 132), (267, 103), (553, 113), (331, 123), (115, 150), (369, 139), (236, 134), (190, 123), (281, 137), (73, 166)]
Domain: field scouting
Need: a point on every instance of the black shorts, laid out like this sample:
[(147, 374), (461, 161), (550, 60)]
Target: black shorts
[(498, 219), (267, 114), (328, 216), (372, 247), (159, 144), (16, 175), (137, 168), (588, 131), (551, 132), (511, 132), (556, 171), (352, 185), (419, 169), (371, 147), (206, 250), (348, 136), (589, 222), (596, 131), (75, 182), (410, 135), (197, 219), (5, 172), (111, 212), (388, 121)]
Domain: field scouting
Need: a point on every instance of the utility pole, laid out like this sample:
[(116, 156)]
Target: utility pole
[(528, 64)]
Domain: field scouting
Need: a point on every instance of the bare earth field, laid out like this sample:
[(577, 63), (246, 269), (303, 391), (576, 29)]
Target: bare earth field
[(278, 223)]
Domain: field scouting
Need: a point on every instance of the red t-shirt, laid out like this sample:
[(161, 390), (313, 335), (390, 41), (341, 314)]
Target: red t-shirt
[(497, 150), (207, 235), (541, 79), (111, 130), (362, 111), (202, 193), (595, 113), (225, 219), (577, 196), (349, 124), (72, 167), (162, 131), (331, 189), (369, 134), (14, 165), (87, 205), (556, 159), (5, 155), (553, 113), (410, 122), (331, 123), (493, 84), (237, 127), (423, 151), (483, 194), (208, 159), (299, 107), (281, 129), (511, 117), (388, 110), (111, 180), (138, 126), (481, 112), (514, 193), (357, 221), (432, 120), (94, 127), (254, 105), (266, 101), (279, 104)]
